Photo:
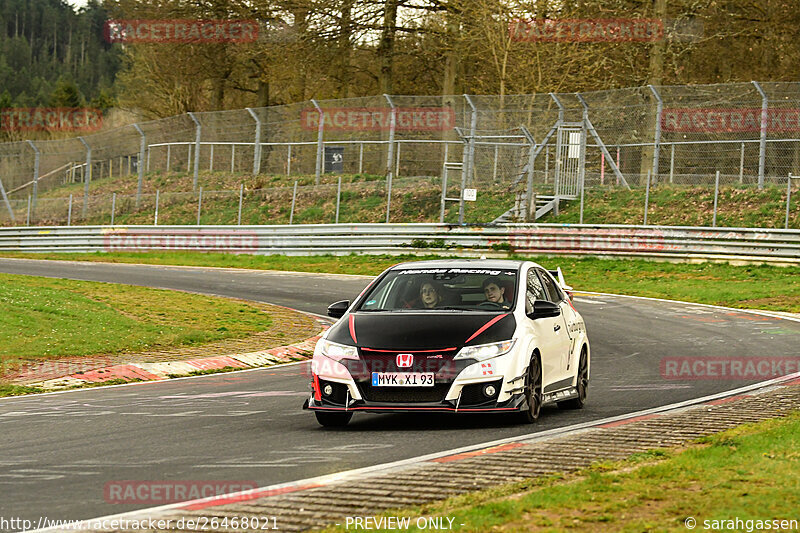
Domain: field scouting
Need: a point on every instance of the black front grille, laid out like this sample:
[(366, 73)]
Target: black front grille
[(403, 394), (339, 394), (473, 394), (386, 361)]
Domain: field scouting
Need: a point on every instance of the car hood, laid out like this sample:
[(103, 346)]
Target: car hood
[(421, 331)]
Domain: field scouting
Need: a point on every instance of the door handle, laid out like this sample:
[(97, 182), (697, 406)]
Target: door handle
[(557, 327)]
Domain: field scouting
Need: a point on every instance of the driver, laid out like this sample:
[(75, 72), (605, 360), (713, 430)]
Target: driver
[(430, 294), (495, 292)]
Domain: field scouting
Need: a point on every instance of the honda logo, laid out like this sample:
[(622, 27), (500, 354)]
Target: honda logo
[(404, 360)]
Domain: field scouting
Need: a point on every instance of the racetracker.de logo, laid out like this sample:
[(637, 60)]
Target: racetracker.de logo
[(586, 30), (727, 368), (163, 492), (180, 31), (201, 240), (380, 119), (716, 120), (50, 119)]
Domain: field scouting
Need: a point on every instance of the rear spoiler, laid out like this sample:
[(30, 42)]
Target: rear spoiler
[(559, 276)]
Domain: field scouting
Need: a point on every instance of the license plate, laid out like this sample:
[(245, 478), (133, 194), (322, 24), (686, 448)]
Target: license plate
[(402, 379)]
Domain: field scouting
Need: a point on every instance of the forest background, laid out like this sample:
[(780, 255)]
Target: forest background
[(52, 54)]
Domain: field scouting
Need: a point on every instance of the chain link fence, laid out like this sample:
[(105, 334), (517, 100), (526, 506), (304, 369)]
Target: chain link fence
[(507, 145)]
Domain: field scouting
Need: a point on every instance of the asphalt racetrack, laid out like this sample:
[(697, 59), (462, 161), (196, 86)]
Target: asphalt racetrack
[(58, 451)]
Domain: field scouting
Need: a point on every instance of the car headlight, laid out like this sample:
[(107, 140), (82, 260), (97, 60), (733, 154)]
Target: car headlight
[(485, 351), (337, 351)]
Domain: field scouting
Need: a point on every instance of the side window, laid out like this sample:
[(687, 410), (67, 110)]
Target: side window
[(535, 291), (554, 293)]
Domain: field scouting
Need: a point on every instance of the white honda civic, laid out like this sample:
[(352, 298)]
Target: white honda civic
[(459, 336)]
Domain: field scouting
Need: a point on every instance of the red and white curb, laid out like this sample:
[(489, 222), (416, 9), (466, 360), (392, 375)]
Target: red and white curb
[(135, 372)]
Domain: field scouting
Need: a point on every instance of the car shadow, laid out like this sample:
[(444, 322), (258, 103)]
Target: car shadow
[(438, 421)]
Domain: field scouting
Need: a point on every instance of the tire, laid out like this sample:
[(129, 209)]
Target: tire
[(582, 384), (533, 391), (333, 420)]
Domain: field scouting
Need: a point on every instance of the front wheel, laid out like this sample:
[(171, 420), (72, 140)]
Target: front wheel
[(582, 385), (333, 420), (533, 391)]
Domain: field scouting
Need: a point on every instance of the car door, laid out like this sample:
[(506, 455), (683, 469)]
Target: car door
[(561, 331), (544, 330)]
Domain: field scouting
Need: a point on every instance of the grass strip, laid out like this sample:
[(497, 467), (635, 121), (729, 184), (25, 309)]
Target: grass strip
[(742, 286), (751, 472), (43, 318)]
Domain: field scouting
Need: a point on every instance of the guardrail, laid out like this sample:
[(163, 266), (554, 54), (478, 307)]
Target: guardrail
[(654, 242)]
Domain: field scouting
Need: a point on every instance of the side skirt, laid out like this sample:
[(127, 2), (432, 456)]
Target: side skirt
[(559, 396)]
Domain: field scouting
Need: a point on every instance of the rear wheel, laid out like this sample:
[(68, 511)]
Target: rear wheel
[(533, 391), (582, 385), (333, 420)]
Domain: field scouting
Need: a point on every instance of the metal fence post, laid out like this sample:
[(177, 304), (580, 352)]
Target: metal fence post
[(289, 160), (762, 144), (494, 163), (546, 163), (582, 153), (360, 158), (256, 143), (530, 205), (657, 136), (87, 176), (233, 158), (35, 175), (294, 199), (155, 220), (788, 199), (320, 136), (741, 165), (241, 198), (646, 198), (671, 162), (473, 124), (8, 204), (28, 217), (140, 165), (113, 206), (198, 131), (169, 153), (338, 198), (69, 212), (469, 157), (582, 157), (716, 195), (390, 156), (199, 204), (397, 164)]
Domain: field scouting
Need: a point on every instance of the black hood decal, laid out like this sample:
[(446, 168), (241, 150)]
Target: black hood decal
[(422, 331)]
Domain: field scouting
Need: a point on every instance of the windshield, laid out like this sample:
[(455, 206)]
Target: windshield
[(454, 289)]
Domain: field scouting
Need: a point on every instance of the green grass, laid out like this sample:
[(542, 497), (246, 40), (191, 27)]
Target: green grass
[(748, 287), (267, 200), (751, 472), (739, 206), (45, 318), (17, 390)]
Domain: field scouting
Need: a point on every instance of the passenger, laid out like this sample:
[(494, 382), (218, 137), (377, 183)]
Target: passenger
[(430, 295), (495, 292)]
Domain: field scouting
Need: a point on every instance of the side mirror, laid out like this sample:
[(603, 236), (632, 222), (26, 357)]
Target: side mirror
[(337, 309), (544, 309)]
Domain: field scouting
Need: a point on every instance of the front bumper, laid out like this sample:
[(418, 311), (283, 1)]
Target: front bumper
[(471, 398), (459, 384)]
